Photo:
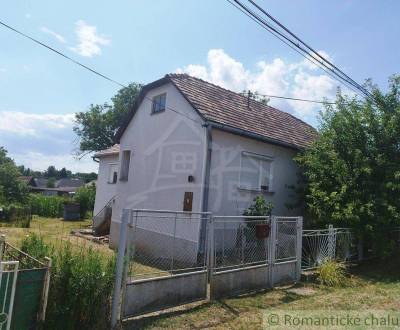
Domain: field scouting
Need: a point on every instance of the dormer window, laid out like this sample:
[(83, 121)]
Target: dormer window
[(159, 103)]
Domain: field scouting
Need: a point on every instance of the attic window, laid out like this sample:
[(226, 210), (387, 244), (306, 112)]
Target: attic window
[(159, 103)]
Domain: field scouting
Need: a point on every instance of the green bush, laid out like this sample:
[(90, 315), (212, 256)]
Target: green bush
[(15, 215), (47, 206), (85, 196), (80, 286), (331, 273)]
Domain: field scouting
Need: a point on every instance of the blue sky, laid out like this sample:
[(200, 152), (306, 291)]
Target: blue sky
[(143, 40)]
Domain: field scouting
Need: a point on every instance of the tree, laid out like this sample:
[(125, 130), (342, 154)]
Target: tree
[(51, 182), (51, 172), (12, 190), (96, 128), (352, 171)]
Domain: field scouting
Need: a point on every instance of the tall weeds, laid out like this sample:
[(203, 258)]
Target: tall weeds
[(80, 286)]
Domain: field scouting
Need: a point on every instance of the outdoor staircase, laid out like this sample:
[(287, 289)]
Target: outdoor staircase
[(102, 220)]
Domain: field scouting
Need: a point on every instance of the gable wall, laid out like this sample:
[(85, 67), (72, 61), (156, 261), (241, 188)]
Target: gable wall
[(156, 181)]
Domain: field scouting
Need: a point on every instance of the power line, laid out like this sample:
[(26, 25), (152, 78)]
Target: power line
[(61, 54), (123, 85), (305, 44), (83, 65), (295, 46)]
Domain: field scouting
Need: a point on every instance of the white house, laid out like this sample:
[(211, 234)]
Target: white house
[(190, 145)]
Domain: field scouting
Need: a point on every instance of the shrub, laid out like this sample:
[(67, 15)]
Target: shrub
[(85, 196), (16, 215), (80, 286), (331, 273), (47, 206)]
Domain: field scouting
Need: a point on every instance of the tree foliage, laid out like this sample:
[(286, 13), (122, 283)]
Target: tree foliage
[(96, 127), (12, 190), (352, 170)]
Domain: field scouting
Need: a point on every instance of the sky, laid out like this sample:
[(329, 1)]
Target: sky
[(141, 41)]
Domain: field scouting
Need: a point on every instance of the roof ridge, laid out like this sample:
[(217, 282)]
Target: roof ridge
[(171, 75)]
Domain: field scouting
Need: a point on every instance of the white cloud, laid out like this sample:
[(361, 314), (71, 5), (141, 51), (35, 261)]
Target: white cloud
[(277, 77), (40, 140), (59, 37), (22, 123), (89, 42)]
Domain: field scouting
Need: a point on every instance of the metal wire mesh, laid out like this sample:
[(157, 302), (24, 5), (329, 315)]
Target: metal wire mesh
[(240, 241), (286, 238), (165, 243), (324, 244)]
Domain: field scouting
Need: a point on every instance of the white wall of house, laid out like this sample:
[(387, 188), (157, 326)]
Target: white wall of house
[(226, 196), (165, 148), (105, 189)]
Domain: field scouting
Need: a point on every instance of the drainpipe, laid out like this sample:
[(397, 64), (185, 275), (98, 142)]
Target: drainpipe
[(206, 182)]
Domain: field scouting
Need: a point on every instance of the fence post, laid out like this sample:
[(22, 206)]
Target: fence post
[(299, 247), (331, 242), (45, 292), (116, 303), (272, 251), (211, 255), (2, 245)]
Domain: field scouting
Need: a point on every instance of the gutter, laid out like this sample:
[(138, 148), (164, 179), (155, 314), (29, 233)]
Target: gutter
[(206, 184), (255, 136)]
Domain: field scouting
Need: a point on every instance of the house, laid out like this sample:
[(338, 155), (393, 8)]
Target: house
[(62, 187), (190, 145)]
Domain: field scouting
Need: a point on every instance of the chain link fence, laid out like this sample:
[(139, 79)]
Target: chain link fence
[(240, 241), (164, 243), (324, 244), (286, 237)]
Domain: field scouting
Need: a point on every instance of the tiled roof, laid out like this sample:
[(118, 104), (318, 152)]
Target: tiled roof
[(110, 151), (232, 110), (225, 107)]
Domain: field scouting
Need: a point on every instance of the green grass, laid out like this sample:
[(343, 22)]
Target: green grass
[(371, 286), (55, 231)]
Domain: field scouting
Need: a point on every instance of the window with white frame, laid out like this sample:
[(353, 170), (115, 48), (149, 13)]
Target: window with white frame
[(183, 162), (159, 103), (112, 173), (255, 172), (125, 161)]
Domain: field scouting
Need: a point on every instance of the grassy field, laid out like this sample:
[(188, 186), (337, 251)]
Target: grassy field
[(55, 231), (370, 287)]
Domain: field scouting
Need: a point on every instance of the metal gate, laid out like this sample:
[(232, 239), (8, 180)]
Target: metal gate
[(8, 281), (165, 255), (252, 253), (168, 258)]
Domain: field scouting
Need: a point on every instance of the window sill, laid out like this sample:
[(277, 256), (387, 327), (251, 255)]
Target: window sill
[(256, 190), (156, 112), (111, 182)]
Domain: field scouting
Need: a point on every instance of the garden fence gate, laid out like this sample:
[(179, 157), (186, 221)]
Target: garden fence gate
[(168, 258)]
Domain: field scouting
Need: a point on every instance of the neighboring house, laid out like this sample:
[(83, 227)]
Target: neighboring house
[(28, 180), (190, 145), (62, 187)]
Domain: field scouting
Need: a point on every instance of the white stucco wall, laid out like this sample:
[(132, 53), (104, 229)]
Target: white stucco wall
[(225, 197), (156, 141), (104, 190)]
